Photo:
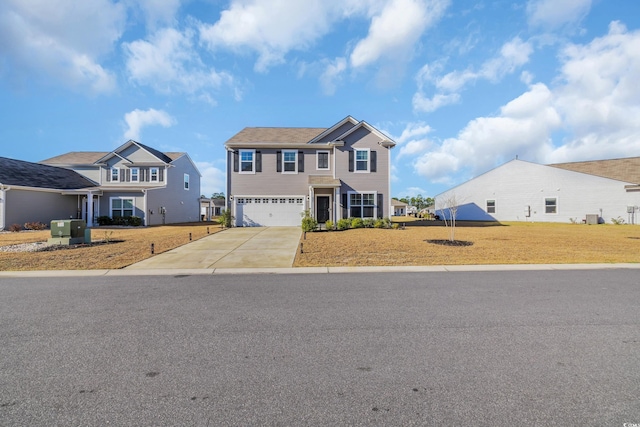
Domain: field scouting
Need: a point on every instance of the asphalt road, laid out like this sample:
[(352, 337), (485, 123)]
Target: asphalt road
[(466, 349)]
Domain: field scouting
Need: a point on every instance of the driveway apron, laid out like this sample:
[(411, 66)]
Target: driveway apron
[(241, 247)]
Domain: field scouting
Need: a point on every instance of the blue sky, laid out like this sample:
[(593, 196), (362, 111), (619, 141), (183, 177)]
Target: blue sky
[(461, 86)]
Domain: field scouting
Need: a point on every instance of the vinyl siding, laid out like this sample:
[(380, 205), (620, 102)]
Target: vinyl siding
[(37, 206), (517, 184)]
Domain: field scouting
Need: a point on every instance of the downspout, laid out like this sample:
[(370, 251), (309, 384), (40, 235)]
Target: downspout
[(3, 206), (144, 206)]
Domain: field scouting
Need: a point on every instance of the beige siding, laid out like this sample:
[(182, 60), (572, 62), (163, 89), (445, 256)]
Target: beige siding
[(38, 206)]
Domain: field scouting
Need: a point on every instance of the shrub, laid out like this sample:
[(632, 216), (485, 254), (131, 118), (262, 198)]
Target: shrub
[(369, 222), (395, 226), (617, 221), (343, 224), (35, 226), (308, 223), (382, 223), (15, 228), (328, 225), (134, 221), (104, 220), (225, 218), (357, 223)]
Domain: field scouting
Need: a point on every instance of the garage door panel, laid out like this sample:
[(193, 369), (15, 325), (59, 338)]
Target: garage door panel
[(269, 211)]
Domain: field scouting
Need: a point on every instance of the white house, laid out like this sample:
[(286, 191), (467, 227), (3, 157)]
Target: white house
[(524, 191)]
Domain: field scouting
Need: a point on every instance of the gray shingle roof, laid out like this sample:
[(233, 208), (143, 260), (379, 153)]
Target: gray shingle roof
[(626, 170), (27, 174), (76, 158), (257, 135)]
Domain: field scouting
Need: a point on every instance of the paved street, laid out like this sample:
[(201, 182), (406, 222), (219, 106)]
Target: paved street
[(497, 348)]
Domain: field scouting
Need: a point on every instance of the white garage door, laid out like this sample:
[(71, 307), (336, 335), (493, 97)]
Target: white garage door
[(269, 211)]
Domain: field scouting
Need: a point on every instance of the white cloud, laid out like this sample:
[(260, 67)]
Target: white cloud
[(137, 119), (332, 74), (169, 64), (213, 179), (513, 55), (61, 39), (157, 12), (394, 32), (595, 106), (552, 14)]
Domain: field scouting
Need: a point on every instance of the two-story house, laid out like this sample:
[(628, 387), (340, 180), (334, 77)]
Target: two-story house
[(136, 180), (275, 174)]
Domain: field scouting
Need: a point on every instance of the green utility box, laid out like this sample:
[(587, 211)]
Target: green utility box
[(67, 232)]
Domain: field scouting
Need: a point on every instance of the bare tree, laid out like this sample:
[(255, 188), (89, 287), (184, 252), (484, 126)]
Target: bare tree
[(450, 208)]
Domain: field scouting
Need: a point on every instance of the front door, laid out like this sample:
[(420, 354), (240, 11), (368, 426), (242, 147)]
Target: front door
[(322, 209)]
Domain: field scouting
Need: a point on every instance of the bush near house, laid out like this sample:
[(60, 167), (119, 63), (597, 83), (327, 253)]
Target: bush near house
[(343, 224), (35, 226), (328, 225), (131, 221)]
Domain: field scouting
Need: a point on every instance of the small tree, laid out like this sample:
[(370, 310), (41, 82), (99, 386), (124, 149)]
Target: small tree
[(225, 218), (450, 208), (308, 222)]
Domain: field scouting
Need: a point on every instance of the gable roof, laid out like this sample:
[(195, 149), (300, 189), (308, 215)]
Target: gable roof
[(626, 170), (257, 136), (157, 154), (27, 174)]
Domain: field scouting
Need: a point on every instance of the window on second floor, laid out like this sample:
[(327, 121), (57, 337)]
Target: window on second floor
[(247, 161), (154, 174), (115, 174), (135, 174), (362, 160), (186, 181), (323, 160), (289, 161)]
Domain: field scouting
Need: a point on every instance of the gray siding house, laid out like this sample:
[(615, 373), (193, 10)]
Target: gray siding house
[(275, 174), (133, 180)]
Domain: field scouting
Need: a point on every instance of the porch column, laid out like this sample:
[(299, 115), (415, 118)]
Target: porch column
[(89, 209), (210, 210), (310, 206), (336, 204)]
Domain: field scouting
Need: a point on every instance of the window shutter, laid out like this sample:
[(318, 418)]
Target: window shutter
[(144, 176), (236, 161), (128, 175), (300, 161), (108, 175), (345, 210), (278, 161), (380, 205), (350, 161), (258, 161), (122, 175), (160, 174), (373, 167)]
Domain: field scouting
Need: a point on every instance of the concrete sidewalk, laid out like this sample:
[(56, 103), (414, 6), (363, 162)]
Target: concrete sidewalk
[(241, 247)]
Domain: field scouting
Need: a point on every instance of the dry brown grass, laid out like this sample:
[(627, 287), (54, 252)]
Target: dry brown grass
[(511, 243), (129, 246)]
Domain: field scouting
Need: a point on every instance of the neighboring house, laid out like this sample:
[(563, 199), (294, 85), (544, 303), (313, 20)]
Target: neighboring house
[(31, 192), (522, 191), (399, 208), (412, 210), (210, 208), (274, 175), (136, 180)]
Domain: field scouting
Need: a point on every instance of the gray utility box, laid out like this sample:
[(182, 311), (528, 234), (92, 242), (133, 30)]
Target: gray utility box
[(67, 231), (592, 219)]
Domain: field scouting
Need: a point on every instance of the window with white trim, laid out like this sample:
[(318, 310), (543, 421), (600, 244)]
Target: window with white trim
[(121, 207), (362, 205), (491, 206), (362, 160), (323, 160), (289, 161), (115, 174), (135, 174), (186, 181), (247, 161), (154, 174), (550, 205)]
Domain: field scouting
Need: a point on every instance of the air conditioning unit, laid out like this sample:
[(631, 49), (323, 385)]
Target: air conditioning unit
[(592, 219)]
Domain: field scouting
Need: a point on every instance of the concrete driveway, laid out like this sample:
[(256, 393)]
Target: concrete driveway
[(250, 247)]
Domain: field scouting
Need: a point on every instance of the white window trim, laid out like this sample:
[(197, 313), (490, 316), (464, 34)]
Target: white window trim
[(375, 203), (253, 162), (544, 205), (355, 160), (117, 174), (157, 177), (486, 206), (328, 160), (133, 204), (295, 162), (186, 185), (137, 175)]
